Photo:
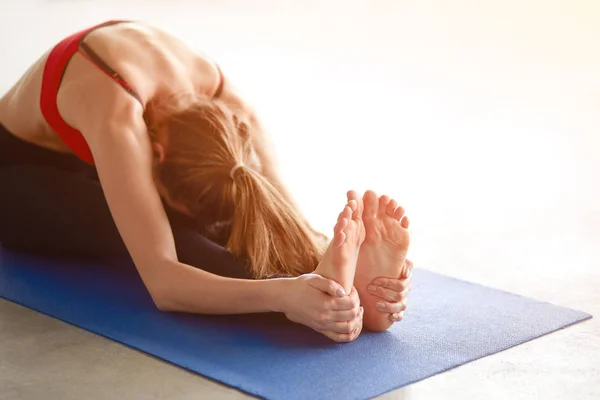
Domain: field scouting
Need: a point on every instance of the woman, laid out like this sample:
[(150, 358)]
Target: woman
[(121, 140)]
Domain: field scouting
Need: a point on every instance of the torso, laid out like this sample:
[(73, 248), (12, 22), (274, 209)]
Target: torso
[(161, 69)]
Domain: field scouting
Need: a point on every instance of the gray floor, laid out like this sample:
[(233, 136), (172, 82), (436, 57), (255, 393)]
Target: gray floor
[(482, 117)]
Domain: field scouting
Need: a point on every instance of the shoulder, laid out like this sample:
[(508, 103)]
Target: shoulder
[(95, 105)]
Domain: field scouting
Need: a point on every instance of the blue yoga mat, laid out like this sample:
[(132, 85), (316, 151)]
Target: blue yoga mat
[(449, 323)]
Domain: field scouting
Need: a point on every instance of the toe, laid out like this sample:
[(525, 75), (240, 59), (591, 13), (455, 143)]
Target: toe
[(339, 239), (338, 232), (383, 202), (353, 205), (399, 213), (347, 213), (405, 222), (340, 226), (371, 204), (391, 207), (339, 236), (353, 195)]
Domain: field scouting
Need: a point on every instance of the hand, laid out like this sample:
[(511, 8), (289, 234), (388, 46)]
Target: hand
[(394, 293), (322, 305)]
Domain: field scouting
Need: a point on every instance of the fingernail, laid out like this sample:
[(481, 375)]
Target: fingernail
[(396, 317), (380, 306), (372, 289), (378, 283), (362, 312), (340, 292)]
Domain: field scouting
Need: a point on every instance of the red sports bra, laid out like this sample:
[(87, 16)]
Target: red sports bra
[(57, 62)]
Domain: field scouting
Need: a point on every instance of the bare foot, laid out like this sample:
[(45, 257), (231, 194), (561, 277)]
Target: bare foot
[(339, 261), (382, 254)]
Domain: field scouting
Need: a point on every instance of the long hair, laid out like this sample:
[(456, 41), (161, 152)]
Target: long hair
[(205, 142)]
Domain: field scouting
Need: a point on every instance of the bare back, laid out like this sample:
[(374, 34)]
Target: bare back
[(161, 71), (160, 67)]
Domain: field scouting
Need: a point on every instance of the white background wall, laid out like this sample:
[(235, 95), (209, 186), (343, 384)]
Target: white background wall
[(482, 117)]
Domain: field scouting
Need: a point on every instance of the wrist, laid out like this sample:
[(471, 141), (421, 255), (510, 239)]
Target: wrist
[(277, 294)]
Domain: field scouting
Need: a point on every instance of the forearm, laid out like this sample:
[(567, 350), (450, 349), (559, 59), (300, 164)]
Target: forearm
[(183, 288)]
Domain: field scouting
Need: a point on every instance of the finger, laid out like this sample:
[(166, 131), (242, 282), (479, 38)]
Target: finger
[(386, 294), (342, 304), (326, 286), (345, 326), (356, 333), (391, 308), (351, 302), (397, 317), (396, 285), (408, 267), (404, 293), (336, 337), (344, 315), (344, 337)]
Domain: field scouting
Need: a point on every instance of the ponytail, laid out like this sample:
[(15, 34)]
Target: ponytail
[(267, 231), (210, 170)]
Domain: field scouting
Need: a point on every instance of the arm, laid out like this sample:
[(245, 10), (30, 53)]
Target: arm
[(112, 123), (113, 126), (123, 160)]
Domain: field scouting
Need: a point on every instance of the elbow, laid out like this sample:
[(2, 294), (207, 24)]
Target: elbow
[(160, 289), (162, 299), (163, 304)]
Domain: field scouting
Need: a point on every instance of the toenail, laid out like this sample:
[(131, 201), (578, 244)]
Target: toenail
[(372, 289)]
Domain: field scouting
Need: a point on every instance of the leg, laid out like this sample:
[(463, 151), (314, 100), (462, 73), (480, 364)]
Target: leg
[(383, 253), (49, 211), (339, 261), (198, 251)]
